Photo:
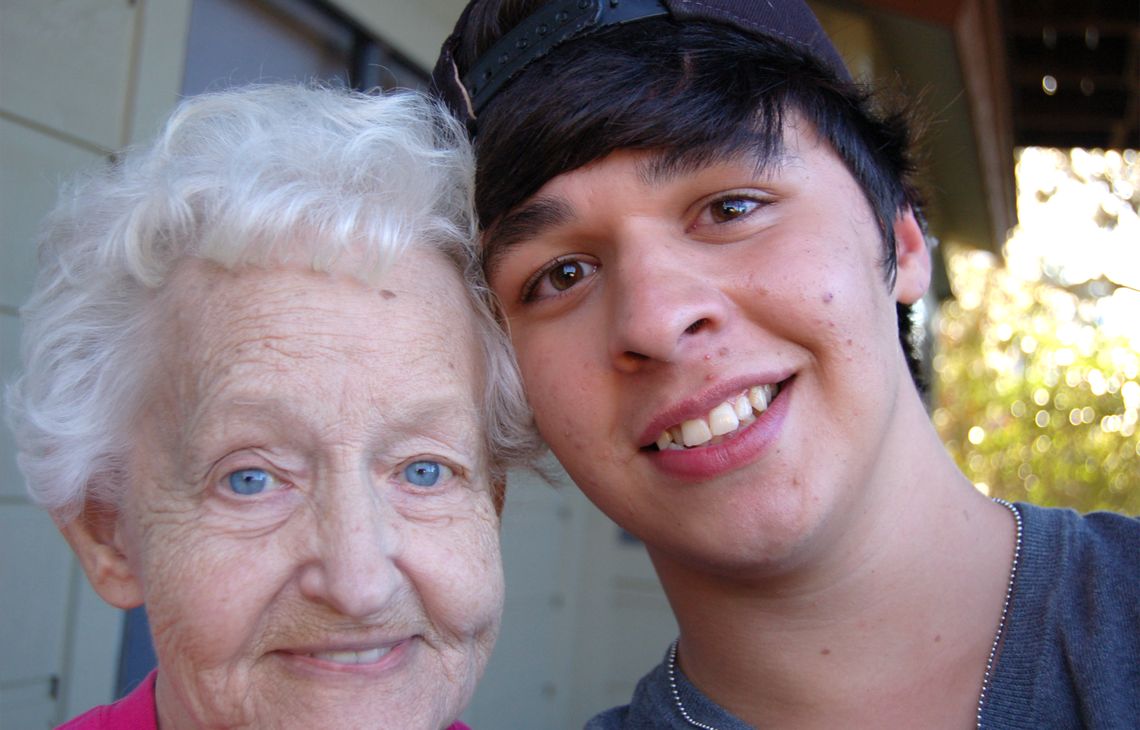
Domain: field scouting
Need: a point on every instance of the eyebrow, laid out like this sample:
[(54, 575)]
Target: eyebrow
[(433, 418), (528, 221), (664, 168), (534, 218), (437, 418), (419, 414)]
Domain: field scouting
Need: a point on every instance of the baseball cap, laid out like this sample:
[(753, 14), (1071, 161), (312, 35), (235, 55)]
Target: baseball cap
[(562, 21)]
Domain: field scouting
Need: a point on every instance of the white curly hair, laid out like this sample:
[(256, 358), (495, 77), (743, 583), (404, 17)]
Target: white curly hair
[(233, 178)]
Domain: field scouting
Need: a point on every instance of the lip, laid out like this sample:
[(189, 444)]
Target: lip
[(698, 406), (306, 660), (737, 450)]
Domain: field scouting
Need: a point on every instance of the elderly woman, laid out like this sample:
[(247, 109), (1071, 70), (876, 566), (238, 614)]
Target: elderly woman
[(259, 399)]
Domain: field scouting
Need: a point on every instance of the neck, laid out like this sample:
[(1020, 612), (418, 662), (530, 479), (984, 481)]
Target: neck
[(888, 623)]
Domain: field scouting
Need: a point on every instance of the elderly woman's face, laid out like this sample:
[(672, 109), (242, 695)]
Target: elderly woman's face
[(308, 515)]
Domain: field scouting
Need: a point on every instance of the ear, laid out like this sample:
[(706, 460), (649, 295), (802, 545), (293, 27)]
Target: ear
[(96, 538), (913, 277)]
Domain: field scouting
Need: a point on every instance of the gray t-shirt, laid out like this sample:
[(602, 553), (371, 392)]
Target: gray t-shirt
[(1070, 655)]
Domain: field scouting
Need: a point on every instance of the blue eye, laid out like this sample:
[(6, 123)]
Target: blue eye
[(426, 473), (250, 481)]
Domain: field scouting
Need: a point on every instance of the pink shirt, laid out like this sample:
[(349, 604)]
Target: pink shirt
[(136, 711)]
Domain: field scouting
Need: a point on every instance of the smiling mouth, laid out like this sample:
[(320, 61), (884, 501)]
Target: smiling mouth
[(725, 419), (365, 656)]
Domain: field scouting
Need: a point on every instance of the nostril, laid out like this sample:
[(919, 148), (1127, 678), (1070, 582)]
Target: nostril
[(697, 326)]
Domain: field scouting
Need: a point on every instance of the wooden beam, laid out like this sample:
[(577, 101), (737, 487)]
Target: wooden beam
[(981, 52)]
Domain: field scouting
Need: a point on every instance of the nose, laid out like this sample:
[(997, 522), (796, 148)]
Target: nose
[(351, 566), (662, 305)]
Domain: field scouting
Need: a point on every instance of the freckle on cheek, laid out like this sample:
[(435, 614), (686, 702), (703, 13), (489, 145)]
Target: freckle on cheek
[(828, 297), (387, 293)]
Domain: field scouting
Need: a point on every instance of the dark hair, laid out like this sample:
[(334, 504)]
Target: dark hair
[(697, 92)]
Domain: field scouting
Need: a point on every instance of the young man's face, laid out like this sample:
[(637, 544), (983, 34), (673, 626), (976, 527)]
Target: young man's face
[(712, 354)]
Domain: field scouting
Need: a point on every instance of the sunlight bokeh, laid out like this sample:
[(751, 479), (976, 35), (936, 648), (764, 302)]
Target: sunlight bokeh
[(1037, 391)]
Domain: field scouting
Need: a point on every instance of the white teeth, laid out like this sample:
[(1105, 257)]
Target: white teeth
[(371, 656), (721, 420), (760, 396), (368, 656), (695, 432)]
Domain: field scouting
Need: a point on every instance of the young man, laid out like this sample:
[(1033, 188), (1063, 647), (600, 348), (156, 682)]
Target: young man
[(706, 244)]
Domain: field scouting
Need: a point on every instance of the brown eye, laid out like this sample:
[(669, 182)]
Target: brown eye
[(567, 274), (732, 208), (559, 276)]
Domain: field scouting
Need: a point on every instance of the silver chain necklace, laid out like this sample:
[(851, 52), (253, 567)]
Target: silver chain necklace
[(1004, 609), (671, 665)]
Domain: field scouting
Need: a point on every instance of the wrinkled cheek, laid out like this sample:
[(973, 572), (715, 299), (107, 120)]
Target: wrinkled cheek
[(479, 617), (466, 609), (467, 602), (192, 625), (195, 664), (199, 626)]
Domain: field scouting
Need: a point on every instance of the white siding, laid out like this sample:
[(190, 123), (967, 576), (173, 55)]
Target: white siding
[(72, 88)]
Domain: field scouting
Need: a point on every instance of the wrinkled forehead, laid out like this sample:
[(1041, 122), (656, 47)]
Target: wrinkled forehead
[(289, 337), (303, 313)]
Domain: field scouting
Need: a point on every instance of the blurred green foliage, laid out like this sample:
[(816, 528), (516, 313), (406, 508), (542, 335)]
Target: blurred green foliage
[(1034, 402), (1037, 371)]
